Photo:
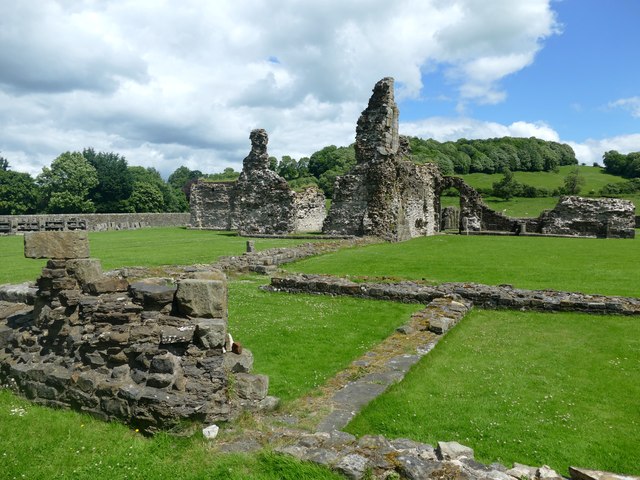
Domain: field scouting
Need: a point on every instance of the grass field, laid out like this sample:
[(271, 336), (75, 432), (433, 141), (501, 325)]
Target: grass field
[(533, 388), (302, 340), (147, 247), (38, 443), (595, 178), (589, 365), (605, 266)]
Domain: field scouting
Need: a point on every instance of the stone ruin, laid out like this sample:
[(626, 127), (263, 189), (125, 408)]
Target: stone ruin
[(572, 216), (388, 196), (259, 202), (151, 353), (385, 194)]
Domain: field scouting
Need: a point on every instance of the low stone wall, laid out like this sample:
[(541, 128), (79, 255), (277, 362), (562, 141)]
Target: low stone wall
[(484, 296), (13, 224), (152, 353)]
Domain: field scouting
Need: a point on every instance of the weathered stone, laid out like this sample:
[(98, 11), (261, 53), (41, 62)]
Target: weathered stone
[(251, 387), (84, 270), (415, 468), (353, 466), (202, 298), (521, 471), (385, 194), (181, 334), (58, 245), (19, 293), (108, 285), (152, 295), (547, 473), (242, 363), (260, 201), (453, 451), (584, 474), (210, 432), (165, 363), (211, 332)]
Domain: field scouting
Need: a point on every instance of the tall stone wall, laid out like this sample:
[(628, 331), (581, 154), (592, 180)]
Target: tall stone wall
[(211, 205), (259, 202), (385, 194), (12, 224), (151, 353)]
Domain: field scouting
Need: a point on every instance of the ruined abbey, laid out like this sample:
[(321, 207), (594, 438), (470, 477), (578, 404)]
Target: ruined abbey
[(385, 195)]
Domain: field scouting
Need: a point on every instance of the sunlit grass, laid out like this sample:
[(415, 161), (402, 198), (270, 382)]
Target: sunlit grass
[(533, 388), (605, 266)]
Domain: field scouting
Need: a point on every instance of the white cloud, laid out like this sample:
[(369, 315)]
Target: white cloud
[(446, 129), (591, 150), (632, 104), (170, 82)]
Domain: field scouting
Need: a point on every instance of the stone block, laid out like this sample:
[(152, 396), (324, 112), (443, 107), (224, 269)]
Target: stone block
[(242, 363), (84, 270), (152, 295), (57, 245), (108, 285), (165, 363), (584, 474), (453, 451), (211, 333), (251, 387), (182, 334), (202, 298)]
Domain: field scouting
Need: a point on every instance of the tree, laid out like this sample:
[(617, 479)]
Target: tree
[(65, 186), (288, 168), (115, 182), (182, 179), (172, 200), (146, 197), (18, 193), (573, 182), (4, 164), (508, 187)]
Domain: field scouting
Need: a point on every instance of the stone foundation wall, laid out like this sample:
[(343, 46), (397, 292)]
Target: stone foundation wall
[(13, 224), (484, 296), (152, 353)]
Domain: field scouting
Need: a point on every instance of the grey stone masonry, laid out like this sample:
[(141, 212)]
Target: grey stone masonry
[(385, 194), (485, 296), (259, 202), (151, 354)]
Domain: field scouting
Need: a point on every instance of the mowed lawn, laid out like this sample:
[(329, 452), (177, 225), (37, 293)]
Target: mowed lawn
[(147, 247), (604, 266), (534, 388)]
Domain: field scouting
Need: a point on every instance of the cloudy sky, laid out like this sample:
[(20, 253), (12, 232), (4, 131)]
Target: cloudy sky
[(182, 82)]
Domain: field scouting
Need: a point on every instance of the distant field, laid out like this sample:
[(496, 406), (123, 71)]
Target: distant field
[(595, 179), (606, 266), (515, 207)]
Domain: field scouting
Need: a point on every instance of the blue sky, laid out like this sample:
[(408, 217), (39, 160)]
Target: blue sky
[(183, 82)]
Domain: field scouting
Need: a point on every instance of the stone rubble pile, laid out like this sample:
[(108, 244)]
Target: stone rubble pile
[(150, 353)]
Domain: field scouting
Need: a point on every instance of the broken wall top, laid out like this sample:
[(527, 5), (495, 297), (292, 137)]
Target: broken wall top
[(377, 130)]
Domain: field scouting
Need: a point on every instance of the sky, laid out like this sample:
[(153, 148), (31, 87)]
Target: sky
[(167, 83)]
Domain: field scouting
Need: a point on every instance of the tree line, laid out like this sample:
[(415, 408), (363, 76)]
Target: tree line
[(103, 182)]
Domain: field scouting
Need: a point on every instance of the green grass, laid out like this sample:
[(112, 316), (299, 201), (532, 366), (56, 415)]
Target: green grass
[(533, 388), (302, 340), (605, 266), (147, 247), (41, 443), (595, 179)]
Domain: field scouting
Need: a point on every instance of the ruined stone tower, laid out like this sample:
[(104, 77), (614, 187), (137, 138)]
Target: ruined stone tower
[(260, 202), (385, 194)]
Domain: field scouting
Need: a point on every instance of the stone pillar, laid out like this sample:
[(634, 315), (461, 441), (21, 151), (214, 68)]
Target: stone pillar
[(251, 246)]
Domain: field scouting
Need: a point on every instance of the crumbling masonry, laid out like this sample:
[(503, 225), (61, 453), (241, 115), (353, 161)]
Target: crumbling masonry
[(260, 202), (385, 194), (150, 353)]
